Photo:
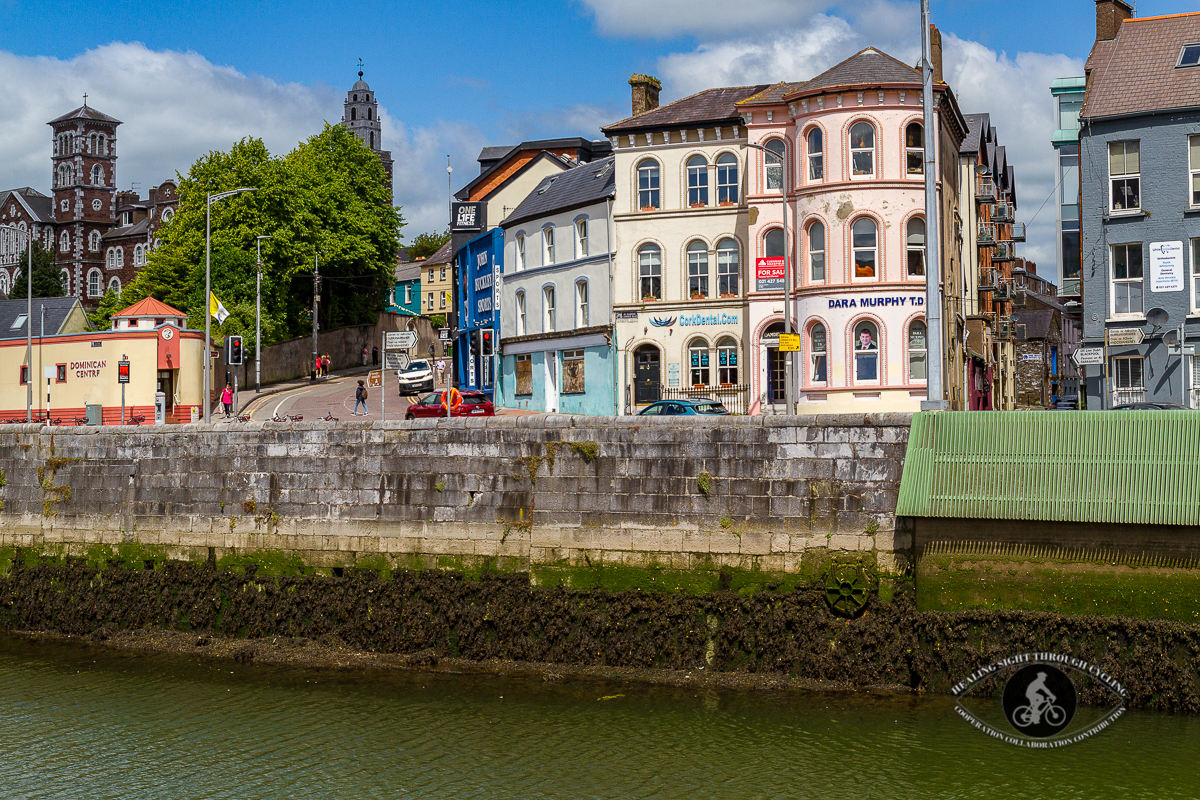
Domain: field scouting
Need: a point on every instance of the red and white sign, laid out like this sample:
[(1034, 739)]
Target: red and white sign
[(768, 274)]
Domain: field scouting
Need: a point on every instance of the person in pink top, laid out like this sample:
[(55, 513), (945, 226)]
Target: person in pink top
[(227, 399)]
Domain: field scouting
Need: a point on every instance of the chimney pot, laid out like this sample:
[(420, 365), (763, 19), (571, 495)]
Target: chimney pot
[(1109, 16), (645, 93)]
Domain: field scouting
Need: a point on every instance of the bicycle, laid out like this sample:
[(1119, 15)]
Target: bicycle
[(329, 417), (1025, 716), (138, 420)]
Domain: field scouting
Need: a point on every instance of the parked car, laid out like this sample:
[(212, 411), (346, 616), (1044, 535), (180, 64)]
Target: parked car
[(699, 406), (416, 379), (474, 404), (1150, 406)]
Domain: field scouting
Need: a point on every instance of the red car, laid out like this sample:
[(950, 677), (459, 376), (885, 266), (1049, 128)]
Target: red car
[(474, 404)]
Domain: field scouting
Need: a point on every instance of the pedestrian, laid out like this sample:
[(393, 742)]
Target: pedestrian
[(227, 400), (317, 367), (366, 355), (441, 370), (375, 356), (325, 364), (360, 397)]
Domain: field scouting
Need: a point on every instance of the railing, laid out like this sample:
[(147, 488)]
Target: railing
[(735, 398), (987, 280), (985, 191), (1071, 287), (1005, 251), (1017, 232), (1122, 396), (987, 235), (1002, 212)]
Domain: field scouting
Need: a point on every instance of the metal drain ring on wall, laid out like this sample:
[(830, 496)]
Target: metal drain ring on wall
[(847, 589)]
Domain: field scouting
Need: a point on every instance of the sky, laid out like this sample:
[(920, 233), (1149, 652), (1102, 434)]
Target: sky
[(451, 78)]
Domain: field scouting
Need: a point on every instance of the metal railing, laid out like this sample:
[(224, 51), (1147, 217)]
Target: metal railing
[(987, 235), (1005, 251), (735, 398), (985, 190), (1002, 212), (1122, 396), (1017, 232)]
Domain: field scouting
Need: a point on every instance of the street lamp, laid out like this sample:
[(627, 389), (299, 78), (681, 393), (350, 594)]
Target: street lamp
[(210, 199), (258, 316), (787, 274)]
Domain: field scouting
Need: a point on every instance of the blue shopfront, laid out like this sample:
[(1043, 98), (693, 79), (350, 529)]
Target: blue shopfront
[(480, 265)]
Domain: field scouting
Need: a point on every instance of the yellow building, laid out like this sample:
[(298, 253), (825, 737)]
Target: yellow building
[(437, 282)]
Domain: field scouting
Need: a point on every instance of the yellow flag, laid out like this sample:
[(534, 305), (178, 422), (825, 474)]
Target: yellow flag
[(216, 309)]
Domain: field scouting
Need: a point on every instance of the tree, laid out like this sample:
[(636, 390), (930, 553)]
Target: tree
[(109, 304), (47, 280), (426, 244)]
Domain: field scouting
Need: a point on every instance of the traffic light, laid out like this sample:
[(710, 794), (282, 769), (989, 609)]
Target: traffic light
[(486, 342), (233, 353)]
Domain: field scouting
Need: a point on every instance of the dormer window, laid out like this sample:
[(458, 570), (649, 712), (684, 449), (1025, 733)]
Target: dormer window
[(1189, 56)]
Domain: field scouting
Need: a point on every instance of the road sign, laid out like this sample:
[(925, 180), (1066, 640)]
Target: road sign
[(396, 361), (789, 342), (1188, 350), (1088, 356), (400, 340), (375, 378), (444, 334), (122, 372), (1125, 336)]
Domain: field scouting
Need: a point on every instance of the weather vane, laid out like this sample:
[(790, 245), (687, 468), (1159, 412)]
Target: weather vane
[(360, 68)]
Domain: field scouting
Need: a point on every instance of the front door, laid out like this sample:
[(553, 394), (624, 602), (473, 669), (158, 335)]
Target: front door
[(166, 386), (776, 376), (551, 380), (647, 379)]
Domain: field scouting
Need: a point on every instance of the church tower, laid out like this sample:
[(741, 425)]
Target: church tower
[(84, 163), (361, 116)]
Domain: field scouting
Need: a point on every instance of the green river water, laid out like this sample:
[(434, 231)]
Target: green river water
[(87, 722)]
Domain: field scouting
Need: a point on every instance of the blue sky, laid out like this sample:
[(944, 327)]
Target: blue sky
[(452, 77)]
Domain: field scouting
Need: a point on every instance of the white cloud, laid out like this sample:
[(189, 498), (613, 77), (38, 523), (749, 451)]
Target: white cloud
[(673, 17)]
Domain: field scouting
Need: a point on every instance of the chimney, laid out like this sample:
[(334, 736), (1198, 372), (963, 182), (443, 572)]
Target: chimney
[(645, 93), (1109, 16), (935, 53)]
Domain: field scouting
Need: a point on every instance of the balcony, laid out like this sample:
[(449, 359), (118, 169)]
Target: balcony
[(987, 235), (985, 191), (987, 280), (1017, 232), (1005, 251), (1071, 287), (1002, 212)]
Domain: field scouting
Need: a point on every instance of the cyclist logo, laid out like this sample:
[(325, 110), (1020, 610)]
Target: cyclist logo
[(1039, 700)]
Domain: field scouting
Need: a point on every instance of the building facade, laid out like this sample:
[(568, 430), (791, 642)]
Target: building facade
[(361, 116), (479, 269)]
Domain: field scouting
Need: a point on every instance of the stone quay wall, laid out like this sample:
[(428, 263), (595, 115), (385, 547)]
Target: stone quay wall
[(506, 493)]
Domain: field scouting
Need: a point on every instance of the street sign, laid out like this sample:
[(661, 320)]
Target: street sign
[(1188, 350), (443, 334), (400, 340), (395, 361), (1088, 356), (122, 372), (789, 342), (375, 378), (1125, 336)]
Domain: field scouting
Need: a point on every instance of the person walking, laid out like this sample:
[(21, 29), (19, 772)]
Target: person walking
[(317, 367), (441, 370), (375, 356), (227, 400), (360, 398), (366, 355), (326, 361)]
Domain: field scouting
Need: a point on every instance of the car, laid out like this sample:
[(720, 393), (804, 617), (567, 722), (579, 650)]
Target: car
[(1150, 406), (696, 406), (416, 379), (474, 404)]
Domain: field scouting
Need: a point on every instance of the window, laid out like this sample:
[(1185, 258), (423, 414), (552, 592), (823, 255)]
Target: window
[(818, 354), (572, 372), (1068, 114), (524, 374), (862, 150), (697, 261), (133, 323), (166, 215), (727, 180), (443, 273), (60, 373), (64, 242), (94, 241), (1194, 167), (727, 361), (649, 198), (697, 182), (93, 283), (139, 256), (773, 246), (816, 252), (103, 146), (1128, 377), (650, 272), (431, 274), (581, 304), (521, 330), (353, 113), (1127, 279), (773, 164), (445, 298), (547, 246), (520, 252), (549, 321), (97, 175), (698, 361), (1196, 281), (864, 239), (581, 238), (4, 287), (917, 351), (120, 256), (24, 374), (728, 268), (66, 281), (916, 247), (1189, 55), (1124, 172), (914, 149), (408, 294), (370, 113), (866, 352), (19, 322), (430, 301), (114, 284), (816, 154)]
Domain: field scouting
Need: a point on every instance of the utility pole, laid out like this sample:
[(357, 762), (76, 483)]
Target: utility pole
[(258, 318), (29, 328), (935, 390), (316, 302)]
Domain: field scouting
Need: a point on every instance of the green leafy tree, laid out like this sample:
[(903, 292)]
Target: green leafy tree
[(47, 279), (426, 244), (109, 304)]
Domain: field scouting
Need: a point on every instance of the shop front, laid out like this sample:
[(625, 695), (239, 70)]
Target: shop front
[(480, 266)]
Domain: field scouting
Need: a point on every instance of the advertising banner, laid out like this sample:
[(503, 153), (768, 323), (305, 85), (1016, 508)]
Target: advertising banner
[(1166, 267), (768, 274)]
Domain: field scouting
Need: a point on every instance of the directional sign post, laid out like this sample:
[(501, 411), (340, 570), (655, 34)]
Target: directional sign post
[(395, 361), (1118, 337), (400, 340), (1088, 356), (789, 342)]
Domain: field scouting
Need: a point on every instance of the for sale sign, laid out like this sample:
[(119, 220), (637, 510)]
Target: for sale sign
[(768, 274)]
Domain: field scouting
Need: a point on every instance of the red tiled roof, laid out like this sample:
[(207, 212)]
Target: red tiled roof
[(150, 308)]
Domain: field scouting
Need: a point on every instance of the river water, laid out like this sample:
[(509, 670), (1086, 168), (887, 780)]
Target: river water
[(86, 722)]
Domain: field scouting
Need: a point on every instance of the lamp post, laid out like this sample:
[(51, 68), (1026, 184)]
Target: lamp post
[(211, 198), (787, 275), (258, 316), (935, 340), (28, 321)]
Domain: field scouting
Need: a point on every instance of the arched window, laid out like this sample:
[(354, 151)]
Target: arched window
[(549, 310), (64, 242), (581, 304), (818, 354), (94, 282), (110, 258), (94, 241), (727, 180), (650, 272), (773, 244), (520, 252), (120, 257), (353, 113), (697, 182), (97, 175), (727, 361), (355, 100), (139, 256), (816, 155), (697, 266), (917, 351), (114, 284), (103, 142), (649, 194), (521, 328), (547, 245), (698, 361), (862, 150), (4, 287), (864, 238), (372, 140), (66, 281), (581, 237), (816, 252), (915, 242), (64, 174), (166, 215), (773, 164), (866, 352), (914, 148), (91, 143), (370, 114), (728, 268)]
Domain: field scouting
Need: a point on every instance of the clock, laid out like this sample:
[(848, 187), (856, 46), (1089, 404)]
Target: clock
[(168, 333)]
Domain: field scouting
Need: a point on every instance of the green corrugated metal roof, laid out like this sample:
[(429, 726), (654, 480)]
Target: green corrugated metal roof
[(1076, 466)]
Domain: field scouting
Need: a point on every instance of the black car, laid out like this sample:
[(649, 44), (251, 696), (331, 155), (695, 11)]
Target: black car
[(1150, 406)]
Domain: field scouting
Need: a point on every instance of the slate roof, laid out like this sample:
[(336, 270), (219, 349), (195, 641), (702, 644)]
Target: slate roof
[(772, 94), (495, 153), (38, 204), (581, 186), (492, 159), (976, 125), (150, 307), (869, 67), (442, 256), (409, 270), (83, 112), (711, 105), (139, 228), (1135, 72), (57, 311), (1037, 323)]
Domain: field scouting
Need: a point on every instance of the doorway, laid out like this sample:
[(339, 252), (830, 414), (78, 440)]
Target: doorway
[(166, 385), (647, 387), (776, 364), (551, 362)]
